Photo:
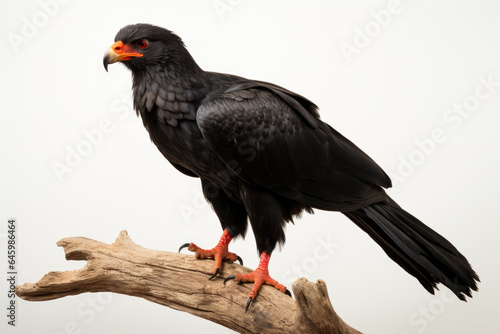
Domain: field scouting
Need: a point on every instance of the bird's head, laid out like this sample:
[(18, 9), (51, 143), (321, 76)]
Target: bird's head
[(142, 46)]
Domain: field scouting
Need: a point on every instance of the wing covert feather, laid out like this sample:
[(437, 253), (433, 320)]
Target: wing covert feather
[(273, 146)]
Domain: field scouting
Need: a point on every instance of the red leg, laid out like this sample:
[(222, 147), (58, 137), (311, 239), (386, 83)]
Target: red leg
[(219, 253), (259, 277)]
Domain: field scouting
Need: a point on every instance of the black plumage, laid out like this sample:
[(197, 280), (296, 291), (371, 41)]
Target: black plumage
[(263, 154)]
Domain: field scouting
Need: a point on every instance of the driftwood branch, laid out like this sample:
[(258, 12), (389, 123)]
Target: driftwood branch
[(180, 281)]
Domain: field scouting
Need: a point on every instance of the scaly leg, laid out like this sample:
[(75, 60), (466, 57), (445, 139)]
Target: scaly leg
[(259, 277), (219, 253)]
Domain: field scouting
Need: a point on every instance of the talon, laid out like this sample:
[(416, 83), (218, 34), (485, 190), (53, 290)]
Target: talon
[(249, 302), (219, 253), (228, 278), (184, 246), (258, 277), (214, 274)]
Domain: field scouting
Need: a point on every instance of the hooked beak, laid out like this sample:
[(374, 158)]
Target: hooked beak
[(119, 52)]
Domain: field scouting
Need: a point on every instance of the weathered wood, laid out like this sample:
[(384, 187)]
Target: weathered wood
[(180, 281)]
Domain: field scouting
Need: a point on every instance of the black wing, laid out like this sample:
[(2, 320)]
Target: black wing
[(273, 138)]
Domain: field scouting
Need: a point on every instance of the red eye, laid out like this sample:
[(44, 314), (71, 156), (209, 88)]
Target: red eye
[(143, 44)]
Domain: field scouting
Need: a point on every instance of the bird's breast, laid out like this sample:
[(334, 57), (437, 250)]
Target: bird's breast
[(184, 145), (169, 112)]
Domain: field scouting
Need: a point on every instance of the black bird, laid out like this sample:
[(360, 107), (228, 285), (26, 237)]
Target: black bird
[(263, 155)]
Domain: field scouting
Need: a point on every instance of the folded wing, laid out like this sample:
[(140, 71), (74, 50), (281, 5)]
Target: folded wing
[(273, 138)]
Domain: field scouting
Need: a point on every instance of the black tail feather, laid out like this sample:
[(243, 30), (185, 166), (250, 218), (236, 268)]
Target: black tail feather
[(418, 249)]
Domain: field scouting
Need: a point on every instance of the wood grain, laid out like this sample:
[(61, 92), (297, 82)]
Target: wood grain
[(181, 282)]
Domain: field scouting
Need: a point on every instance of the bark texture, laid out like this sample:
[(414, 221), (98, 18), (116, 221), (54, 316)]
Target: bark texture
[(180, 281)]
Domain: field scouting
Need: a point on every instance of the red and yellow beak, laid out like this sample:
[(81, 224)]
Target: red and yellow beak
[(119, 52)]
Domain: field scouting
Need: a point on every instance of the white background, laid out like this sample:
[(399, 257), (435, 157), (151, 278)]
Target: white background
[(394, 92)]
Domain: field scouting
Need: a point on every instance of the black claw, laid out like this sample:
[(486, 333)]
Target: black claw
[(288, 293), (239, 259), (228, 278), (248, 304), (215, 274), (184, 246)]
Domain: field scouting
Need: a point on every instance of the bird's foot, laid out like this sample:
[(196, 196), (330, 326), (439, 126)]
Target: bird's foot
[(258, 277), (219, 253)]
